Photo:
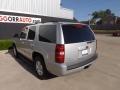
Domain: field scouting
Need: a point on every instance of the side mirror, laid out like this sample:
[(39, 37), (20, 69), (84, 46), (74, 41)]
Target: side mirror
[(16, 36)]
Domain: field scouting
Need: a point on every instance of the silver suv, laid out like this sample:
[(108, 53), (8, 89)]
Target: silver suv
[(59, 48)]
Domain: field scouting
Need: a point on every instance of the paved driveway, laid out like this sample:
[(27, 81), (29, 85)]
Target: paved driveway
[(104, 75)]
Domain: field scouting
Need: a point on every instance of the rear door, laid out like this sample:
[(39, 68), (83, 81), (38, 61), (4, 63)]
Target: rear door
[(79, 42)]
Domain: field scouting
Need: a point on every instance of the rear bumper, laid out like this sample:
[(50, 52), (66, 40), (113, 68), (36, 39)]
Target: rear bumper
[(63, 69)]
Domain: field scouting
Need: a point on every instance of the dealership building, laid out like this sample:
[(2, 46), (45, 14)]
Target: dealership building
[(15, 14)]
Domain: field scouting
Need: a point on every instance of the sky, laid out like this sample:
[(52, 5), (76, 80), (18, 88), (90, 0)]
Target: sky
[(82, 8)]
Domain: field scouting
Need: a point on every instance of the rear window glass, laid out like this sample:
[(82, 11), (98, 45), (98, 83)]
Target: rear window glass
[(77, 33)]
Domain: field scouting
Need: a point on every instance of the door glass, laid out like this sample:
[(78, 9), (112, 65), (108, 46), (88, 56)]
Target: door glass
[(23, 35), (31, 33)]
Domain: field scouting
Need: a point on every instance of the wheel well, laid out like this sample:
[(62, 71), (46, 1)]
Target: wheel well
[(42, 61), (13, 44), (36, 54)]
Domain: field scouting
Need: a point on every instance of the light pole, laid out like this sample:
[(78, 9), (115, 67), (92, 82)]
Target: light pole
[(89, 18)]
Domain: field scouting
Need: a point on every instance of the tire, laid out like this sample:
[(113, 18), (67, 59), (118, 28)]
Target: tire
[(15, 53), (40, 67), (87, 67)]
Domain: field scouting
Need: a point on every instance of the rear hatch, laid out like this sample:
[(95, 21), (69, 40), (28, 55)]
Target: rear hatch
[(80, 43)]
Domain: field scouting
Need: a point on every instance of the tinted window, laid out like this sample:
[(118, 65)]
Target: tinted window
[(31, 33), (77, 33), (47, 33), (23, 35)]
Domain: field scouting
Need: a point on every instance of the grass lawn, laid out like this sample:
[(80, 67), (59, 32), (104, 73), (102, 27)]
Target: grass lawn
[(5, 44)]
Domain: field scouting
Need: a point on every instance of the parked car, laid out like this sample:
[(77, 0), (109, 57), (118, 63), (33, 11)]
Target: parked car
[(117, 34), (59, 48)]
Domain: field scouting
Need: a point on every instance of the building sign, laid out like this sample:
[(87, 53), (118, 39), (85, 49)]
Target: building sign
[(18, 19)]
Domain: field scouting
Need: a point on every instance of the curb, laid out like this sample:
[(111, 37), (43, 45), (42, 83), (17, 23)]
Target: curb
[(3, 51)]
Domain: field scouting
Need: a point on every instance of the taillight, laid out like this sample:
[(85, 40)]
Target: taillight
[(59, 53)]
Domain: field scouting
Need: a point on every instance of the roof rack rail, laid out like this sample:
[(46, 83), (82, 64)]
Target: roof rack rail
[(37, 22)]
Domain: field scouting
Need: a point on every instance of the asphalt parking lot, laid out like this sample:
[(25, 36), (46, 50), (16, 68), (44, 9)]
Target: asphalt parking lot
[(103, 75)]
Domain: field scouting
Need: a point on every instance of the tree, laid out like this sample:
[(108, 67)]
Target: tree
[(102, 14), (108, 11)]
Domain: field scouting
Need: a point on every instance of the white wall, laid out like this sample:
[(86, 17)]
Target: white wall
[(38, 7)]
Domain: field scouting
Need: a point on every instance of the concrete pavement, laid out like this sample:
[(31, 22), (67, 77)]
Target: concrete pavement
[(103, 75)]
